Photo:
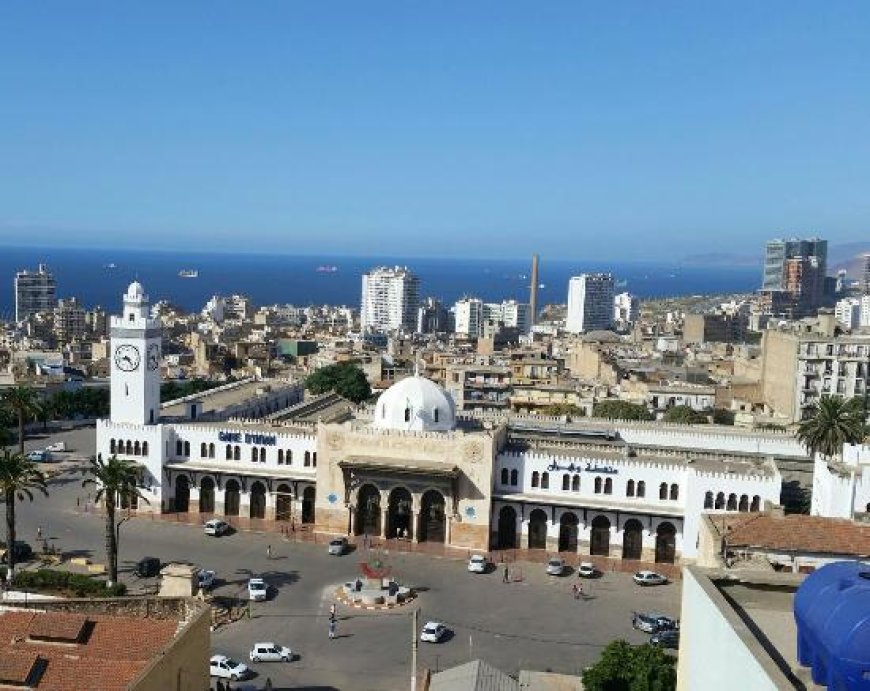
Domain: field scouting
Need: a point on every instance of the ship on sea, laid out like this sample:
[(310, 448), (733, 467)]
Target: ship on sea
[(188, 273), (327, 269)]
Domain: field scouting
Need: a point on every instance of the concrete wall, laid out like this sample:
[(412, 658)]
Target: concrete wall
[(779, 372)]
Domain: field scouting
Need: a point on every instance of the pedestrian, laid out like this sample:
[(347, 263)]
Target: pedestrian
[(506, 574), (332, 628), (579, 591), (365, 540), (332, 611), (576, 591), (39, 533), (268, 551), (268, 686)]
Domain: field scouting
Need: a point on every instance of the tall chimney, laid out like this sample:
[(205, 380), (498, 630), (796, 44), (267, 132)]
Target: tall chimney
[(533, 292)]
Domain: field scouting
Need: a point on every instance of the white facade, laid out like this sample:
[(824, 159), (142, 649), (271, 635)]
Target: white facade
[(848, 312), (468, 316), (471, 314), (135, 361), (625, 308), (842, 488), (516, 315), (390, 299), (590, 303), (831, 366)]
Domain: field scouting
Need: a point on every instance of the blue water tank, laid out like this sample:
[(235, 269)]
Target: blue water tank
[(832, 611)]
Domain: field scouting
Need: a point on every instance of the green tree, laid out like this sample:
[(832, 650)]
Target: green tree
[(834, 421), (116, 480), (625, 667), (24, 402), (685, 415), (345, 378), (621, 410), (18, 479), (557, 409), (723, 416)]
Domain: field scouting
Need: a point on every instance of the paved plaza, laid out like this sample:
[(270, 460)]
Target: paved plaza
[(533, 622)]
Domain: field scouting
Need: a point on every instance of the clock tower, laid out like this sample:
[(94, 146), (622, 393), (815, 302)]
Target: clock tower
[(135, 361)]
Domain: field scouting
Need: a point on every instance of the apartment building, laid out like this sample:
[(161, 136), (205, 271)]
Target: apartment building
[(35, 292), (590, 303), (390, 299)]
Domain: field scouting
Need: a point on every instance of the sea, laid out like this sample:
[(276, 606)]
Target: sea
[(98, 277)]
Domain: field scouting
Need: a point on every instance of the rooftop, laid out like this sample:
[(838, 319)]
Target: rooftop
[(224, 397), (802, 533)]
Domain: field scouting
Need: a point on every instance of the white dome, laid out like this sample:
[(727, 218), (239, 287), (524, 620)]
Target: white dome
[(135, 292), (415, 403)]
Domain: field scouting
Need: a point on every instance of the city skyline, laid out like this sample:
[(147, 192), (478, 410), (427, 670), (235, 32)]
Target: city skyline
[(625, 132)]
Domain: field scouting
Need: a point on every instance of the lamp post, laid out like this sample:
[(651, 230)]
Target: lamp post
[(118, 539)]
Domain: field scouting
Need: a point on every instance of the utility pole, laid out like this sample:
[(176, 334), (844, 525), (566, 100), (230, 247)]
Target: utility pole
[(414, 644)]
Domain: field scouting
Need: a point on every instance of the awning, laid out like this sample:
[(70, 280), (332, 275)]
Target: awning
[(411, 467)]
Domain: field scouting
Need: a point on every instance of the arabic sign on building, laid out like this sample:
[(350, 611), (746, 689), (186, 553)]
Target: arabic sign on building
[(578, 467), (239, 438)]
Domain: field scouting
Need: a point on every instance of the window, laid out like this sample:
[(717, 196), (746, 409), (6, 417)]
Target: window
[(144, 448), (211, 450), (598, 485), (720, 500), (280, 456), (203, 450), (535, 479), (254, 454), (407, 415), (641, 488), (111, 446), (307, 459), (263, 455), (732, 502), (187, 448), (504, 476), (179, 447), (229, 452), (675, 492), (575, 483), (744, 503), (708, 500), (663, 490), (566, 482), (289, 457), (136, 449), (383, 412), (314, 459), (608, 486), (756, 503), (237, 453), (514, 477), (435, 414), (545, 480), (629, 488), (132, 317)]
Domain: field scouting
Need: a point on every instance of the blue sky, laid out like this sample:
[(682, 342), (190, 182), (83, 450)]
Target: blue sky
[(586, 130)]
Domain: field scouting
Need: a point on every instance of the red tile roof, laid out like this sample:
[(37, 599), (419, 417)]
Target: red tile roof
[(116, 650), (15, 667), (799, 533)]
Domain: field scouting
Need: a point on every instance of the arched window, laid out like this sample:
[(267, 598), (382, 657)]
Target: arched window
[(280, 456), (641, 488), (720, 500), (254, 454), (598, 485), (756, 504), (129, 448), (314, 459), (663, 490), (629, 488), (383, 411), (144, 448), (732, 502), (179, 447), (514, 477), (407, 414), (675, 492), (211, 450), (575, 483), (566, 482), (111, 446), (744, 503), (187, 448), (505, 475), (237, 453), (288, 458), (137, 449), (608, 486), (307, 459), (708, 500), (203, 450), (229, 452), (545, 480), (535, 479), (435, 414)]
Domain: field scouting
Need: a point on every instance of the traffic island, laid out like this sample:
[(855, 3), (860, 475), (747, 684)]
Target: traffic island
[(375, 588)]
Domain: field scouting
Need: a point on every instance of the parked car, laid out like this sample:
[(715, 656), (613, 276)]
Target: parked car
[(38, 456), (227, 668), (586, 570), (653, 622), (555, 566), (205, 579), (649, 578), (216, 527), (257, 589), (270, 652), (669, 638), (22, 550), (57, 446), (338, 546), (433, 632), (478, 563), (148, 567)]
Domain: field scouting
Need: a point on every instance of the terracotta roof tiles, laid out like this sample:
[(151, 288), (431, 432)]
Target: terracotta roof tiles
[(800, 533)]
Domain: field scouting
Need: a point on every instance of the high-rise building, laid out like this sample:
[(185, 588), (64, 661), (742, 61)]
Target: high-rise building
[(70, 320), (590, 303), (471, 314), (517, 315), (848, 312), (533, 292), (390, 299), (433, 317), (34, 292), (777, 252), (866, 279), (468, 316), (804, 281), (625, 307)]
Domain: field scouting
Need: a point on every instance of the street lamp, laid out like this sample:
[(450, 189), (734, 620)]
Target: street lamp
[(118, 539)]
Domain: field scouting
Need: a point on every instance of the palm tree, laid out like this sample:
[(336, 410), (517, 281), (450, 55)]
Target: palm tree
[(24, 402), (18, 478), (834, 422), (114, 479)]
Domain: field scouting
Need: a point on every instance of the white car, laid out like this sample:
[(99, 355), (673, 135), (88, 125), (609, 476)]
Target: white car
[(216, 527), (649, 578), (257, 589), (586, 570), (478, 563), (555, 566), (270, 652), (57, 446), (205, 579), (433, 632), (227, 668)]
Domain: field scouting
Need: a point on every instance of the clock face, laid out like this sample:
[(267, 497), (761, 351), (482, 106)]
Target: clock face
[(127, 358), (153, 357)]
